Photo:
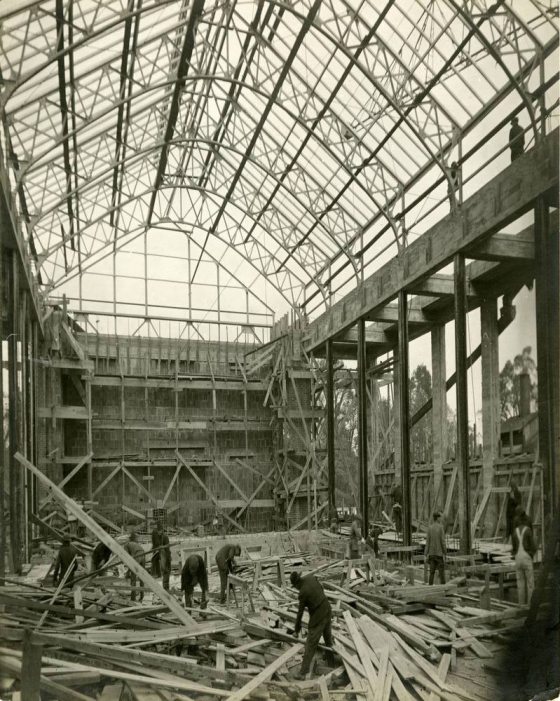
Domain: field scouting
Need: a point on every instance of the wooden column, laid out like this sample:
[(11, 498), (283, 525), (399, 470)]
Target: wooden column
[(3, 462), (462, 456), (329, 401), (362, 426), (546, 297), (439, 412), (30, 668), (404, 416), (13, 415), (490, 396)]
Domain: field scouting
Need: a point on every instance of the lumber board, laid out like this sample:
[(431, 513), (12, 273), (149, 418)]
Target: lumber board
[(361, 649), (443, 669), (266, 674)]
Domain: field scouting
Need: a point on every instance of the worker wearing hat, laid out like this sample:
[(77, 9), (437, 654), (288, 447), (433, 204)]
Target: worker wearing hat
[(312, 597), (516, 139)]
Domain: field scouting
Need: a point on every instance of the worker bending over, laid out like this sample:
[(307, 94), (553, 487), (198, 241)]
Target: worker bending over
[(100, 556), (312, 597), (225, 559), (435, 548), (193, 573), (65, 559), (136, 551)]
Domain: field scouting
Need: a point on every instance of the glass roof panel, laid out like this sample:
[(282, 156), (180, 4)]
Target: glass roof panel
[(301, 143)]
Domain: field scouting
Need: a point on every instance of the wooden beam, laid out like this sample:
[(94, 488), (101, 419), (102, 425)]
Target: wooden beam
[(107, 479), (265, 478), (174, 479), (78, 350), (31, 669), (266, 674), (501, 200), (67, 479), (391, 313), (117, 549), (505, 247), (208, 492), (63, 412), (439, 285)]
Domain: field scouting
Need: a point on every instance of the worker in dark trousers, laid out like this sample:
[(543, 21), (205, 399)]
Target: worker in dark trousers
[(66, 557), (193, 573), (312, 597), (435, 548), (136, 551), (100, 556), (372, 540), (355, 538), (225, 559), (516, 139), (156, 555), (165, 560), (513, 501), (397, 495), (453, 186)]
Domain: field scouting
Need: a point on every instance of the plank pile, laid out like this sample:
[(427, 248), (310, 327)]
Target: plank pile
[(394, 639), (93, 643)]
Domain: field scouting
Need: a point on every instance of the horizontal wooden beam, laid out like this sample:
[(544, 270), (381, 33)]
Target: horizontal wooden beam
[(63, 412), (504, 247), (439, 285), (188, 383), (207, 425), (390, 313), (500, 201)]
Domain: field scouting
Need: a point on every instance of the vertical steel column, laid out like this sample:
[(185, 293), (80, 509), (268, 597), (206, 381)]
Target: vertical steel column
[(462, 456), (329, 401), (546, 298), (15, 470), (3, 462), (404, 416), (362, 427)]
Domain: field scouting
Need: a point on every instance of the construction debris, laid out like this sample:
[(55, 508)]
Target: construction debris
[(395, 638)]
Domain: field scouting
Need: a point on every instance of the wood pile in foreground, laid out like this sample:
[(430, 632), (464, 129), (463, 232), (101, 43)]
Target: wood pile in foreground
[(393, 640)]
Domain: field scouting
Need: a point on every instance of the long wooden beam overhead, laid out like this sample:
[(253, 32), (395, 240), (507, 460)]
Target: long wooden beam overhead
[(500, 201)]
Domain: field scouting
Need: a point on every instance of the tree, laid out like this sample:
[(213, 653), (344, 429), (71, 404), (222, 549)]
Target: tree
[(420, 391), (510, 385)]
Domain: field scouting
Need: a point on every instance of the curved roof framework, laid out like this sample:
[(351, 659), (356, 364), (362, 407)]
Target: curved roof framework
[(237, 159)]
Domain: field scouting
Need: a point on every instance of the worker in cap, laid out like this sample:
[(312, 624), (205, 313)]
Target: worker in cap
[(225, 559), (312, 597), (193, 573), (66, 558)]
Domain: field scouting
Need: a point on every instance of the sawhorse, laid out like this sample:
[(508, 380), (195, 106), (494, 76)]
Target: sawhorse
[(244, 588), (365, 562), (280, 572)]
